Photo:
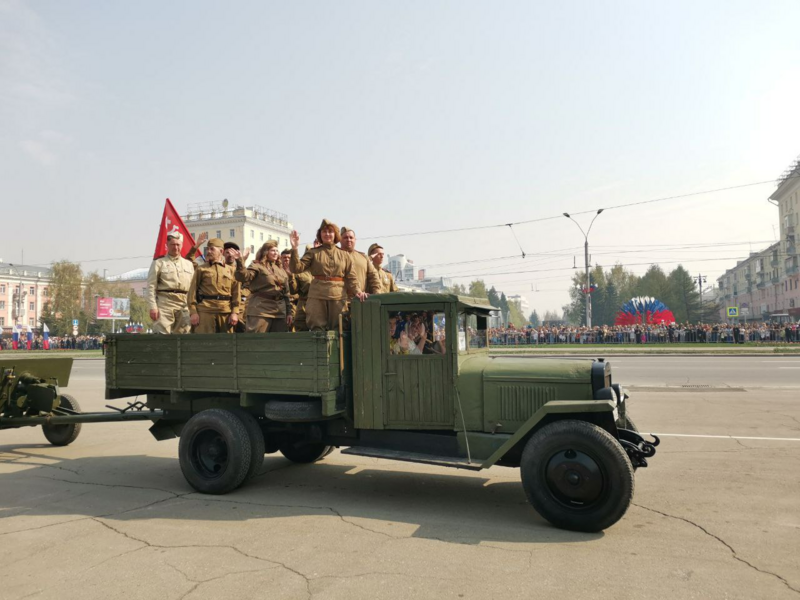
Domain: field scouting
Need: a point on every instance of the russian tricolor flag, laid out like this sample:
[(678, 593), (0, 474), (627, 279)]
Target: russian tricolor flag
[(15, 339), (46, 336), (28, 336)]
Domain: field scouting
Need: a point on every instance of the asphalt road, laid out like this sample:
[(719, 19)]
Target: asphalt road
[(715, 515)]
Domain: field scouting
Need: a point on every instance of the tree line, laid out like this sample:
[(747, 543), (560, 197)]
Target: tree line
[(73, 296), (615, 286)]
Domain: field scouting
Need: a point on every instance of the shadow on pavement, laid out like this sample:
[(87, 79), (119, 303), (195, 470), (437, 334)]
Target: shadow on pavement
[(448, 506)]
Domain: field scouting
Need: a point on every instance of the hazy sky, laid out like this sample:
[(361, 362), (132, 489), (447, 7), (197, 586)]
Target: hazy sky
[(401, 117)]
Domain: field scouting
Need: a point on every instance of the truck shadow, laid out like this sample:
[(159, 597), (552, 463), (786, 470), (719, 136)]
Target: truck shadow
[(428, 503)]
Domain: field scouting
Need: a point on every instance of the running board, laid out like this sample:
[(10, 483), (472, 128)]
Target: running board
[(415, 457)]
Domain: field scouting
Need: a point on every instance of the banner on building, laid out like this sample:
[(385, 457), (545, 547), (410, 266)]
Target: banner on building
[(113, 308)]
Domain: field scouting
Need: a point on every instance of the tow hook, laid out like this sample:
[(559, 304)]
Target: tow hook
[(637, 448)]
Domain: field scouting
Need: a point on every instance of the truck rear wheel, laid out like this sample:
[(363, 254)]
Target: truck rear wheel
[(256, 437), (215, 451), (306, 453), (577, 476), (63, 435)]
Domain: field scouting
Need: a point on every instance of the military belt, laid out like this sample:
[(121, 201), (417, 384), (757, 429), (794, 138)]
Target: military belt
[(326, 278), (172, 291), (269, 295), (202, 297)]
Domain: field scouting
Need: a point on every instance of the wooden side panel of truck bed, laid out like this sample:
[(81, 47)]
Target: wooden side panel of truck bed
[(277, 363)]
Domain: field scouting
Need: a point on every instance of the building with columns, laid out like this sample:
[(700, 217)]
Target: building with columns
[(247, 226)]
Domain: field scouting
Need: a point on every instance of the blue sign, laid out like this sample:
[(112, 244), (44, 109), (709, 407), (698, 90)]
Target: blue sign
[(74, 322)]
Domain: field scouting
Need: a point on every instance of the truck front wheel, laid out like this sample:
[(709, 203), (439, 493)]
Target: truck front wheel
[(577, 476), (215, 451)]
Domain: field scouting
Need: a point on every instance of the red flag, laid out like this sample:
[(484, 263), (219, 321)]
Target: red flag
[(171, 221)]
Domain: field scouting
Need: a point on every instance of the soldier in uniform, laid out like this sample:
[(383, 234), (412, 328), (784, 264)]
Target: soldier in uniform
[(334, 277), (268, 305), (365, 272), (229, 250), (167, 287), (376, 254), (215, 295), (302, 281), (201, 239)]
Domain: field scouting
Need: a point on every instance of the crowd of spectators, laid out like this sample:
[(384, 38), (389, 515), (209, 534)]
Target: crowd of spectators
[(647, 334), (81, 342)]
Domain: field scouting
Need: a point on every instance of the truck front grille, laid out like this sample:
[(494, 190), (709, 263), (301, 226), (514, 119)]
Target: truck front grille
[(518, 402)]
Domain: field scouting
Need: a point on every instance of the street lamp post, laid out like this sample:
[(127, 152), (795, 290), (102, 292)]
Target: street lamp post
[(586, 264)]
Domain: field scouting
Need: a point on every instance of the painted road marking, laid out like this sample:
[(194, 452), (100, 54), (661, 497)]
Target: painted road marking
[(727, 437)]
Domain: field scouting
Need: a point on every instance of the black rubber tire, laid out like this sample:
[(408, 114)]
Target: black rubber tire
[(306, 453), (566, 448), (294, 411), (256, 441), (214, 451), (63, 435)]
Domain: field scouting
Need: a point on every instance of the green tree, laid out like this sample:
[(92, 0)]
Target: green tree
[(683, 299), (550, 317), (458, 288), (65, 304), (515, 315), (654, 283), (493, 296), (477, 289), (534, 319)]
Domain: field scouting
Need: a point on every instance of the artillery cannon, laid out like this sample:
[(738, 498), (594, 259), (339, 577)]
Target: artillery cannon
[(30, 395)]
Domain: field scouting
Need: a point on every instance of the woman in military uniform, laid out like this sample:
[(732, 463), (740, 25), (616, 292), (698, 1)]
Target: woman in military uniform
[(333, 277), (268, 306)]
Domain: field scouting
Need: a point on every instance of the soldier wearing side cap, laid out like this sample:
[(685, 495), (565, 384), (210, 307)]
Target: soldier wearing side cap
[(168, 284), (376, 255), (229, 251), (269, 309), (366, 274), (334, 278), (215, 295)]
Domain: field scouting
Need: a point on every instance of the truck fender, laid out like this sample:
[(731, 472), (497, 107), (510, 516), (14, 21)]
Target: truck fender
[(560, 407)]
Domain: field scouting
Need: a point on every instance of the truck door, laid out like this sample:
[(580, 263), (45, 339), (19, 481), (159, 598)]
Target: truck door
[(416, 370)]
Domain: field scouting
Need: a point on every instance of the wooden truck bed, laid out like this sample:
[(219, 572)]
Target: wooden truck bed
[(304, 364)]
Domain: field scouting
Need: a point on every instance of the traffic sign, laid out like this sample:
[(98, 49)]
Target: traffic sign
[(745, 311), (733, 311), (74, 323), (74, 331)]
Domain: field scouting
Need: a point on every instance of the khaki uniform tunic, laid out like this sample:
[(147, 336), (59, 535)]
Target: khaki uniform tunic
[(214, 279), (366, 273), (168, 284), (268, 303), (334, 279), (387, 282), (302, 282)]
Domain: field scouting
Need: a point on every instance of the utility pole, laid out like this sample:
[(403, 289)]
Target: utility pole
[(586, 265), (701, 279)]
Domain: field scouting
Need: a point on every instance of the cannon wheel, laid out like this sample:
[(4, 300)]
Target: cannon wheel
[(63, 435), (214, 451), (577, 476)]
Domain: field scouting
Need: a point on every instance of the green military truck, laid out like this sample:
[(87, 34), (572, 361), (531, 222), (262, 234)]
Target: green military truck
[(411, 380)]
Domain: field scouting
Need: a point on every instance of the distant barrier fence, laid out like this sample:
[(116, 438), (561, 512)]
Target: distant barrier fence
[(535, 338)]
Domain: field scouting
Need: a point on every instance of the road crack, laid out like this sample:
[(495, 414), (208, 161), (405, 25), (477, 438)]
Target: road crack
[(724, 543)]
